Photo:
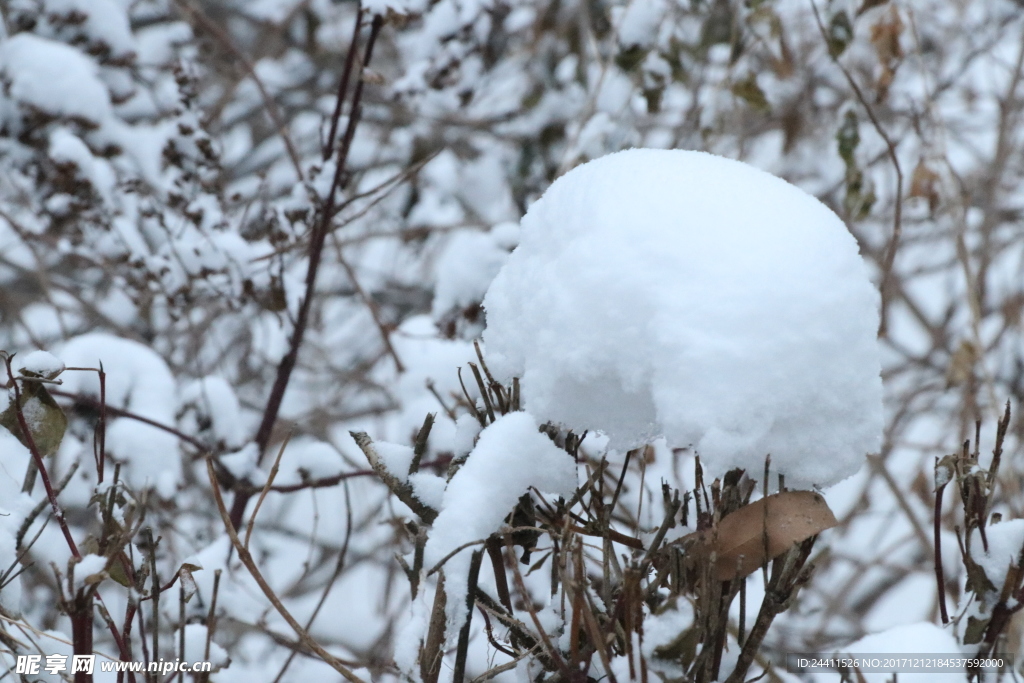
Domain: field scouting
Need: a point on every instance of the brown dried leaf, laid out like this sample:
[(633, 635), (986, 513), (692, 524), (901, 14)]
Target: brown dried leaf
[(782, 519), (885, 37), (924, 183), (751, 92), (962, 364)]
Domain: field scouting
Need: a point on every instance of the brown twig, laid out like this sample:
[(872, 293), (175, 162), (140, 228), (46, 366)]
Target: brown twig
[(316, 247), (257, 575)]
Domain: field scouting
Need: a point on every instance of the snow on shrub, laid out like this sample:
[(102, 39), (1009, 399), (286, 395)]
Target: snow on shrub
[(510, 458), (680, 294)]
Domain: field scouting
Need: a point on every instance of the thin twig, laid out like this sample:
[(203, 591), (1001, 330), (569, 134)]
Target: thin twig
[(316, 247), (897, 223), (269, 104), (257, 575), (266, 489)]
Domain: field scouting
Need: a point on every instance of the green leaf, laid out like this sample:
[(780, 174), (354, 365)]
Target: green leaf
[(848, 137), (630, 57), (840, 33), (749, 91), (975, 630)]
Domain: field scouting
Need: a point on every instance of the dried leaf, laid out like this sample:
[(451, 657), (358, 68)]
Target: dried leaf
[(188, 584), (962, 364), (975, 630), (869, 4), (924, 183), (46, 421), (782, 519), (885, 36)]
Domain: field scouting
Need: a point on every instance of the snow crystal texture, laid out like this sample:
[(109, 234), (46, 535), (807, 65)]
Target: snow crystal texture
[(680, 294)]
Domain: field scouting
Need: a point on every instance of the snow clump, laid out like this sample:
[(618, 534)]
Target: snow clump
[(511, 457), (40, 364), (680, 294)]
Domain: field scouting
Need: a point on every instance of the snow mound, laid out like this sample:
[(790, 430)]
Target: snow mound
[(679, 294), (511, 457)]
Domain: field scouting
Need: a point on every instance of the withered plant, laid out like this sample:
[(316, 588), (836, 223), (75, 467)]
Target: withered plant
[(607, 577)]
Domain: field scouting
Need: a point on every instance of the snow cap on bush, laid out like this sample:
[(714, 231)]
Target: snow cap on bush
[(680, 294)]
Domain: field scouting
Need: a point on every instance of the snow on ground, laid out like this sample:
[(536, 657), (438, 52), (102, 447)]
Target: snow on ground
[(680, 294)]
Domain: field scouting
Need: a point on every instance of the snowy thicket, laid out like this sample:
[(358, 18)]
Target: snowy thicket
[(179, 192)]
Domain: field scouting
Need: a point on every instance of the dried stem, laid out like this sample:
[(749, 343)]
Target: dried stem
[(257, 575)]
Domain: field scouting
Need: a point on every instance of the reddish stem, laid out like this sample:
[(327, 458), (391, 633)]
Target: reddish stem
[(40, 464)]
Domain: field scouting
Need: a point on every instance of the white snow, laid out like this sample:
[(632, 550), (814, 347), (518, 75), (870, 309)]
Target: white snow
[(41, 363), (429, 488), (10, 594), (104, 21), (383, 7), (138, 380), (640, 22), (1005, 544), (395, 457), (510, 457), (68, 148), (466, 431), (680, 294), (195, 647), (213, 397), (306, 458), (53, 77), (88, 566), (465, 268), (920, 638)]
